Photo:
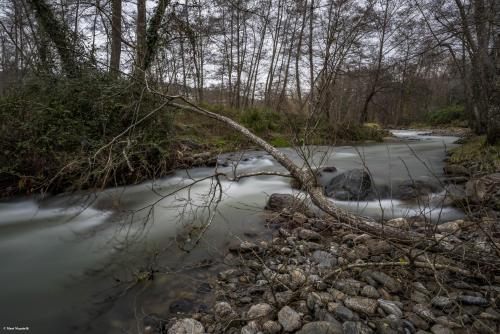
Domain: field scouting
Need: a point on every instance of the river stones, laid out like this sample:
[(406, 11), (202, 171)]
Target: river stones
[(411, 189)]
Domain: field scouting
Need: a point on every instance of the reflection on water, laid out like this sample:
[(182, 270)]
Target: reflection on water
[(63, 259)]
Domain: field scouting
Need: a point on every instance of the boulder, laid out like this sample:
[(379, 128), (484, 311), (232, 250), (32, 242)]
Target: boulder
[(484, 189), (353, 184)]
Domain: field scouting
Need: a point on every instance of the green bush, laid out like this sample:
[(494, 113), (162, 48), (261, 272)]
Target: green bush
[(51, 122), (449, 115), (261, 120)]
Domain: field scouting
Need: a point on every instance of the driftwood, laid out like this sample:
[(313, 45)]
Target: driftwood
[(308, 183)]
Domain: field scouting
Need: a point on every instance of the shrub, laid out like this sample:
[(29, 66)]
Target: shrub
[(51, 122), (449, 115)]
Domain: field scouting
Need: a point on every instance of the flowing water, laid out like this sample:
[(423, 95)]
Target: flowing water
[(68, 263)]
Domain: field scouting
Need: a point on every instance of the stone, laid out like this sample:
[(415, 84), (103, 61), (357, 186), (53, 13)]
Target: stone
[(352, 327), (450, 227), (323, 327), (344, 314), (420, 287), (386, 281), (247, 246), (278, 202), (348, 286), (251, 328), (324, 259), (485, 326), (271, 327), (440, 329), (183, 305), (364, 305), (186, 326), (442, 302), (353, 184), (370, 292), (298, 277), (473, 300), (289, 319), (257, 311), (456, 170), (423, 312), (223, 310), (399, 223), (417, 321), (310, 235), (419, 297), (411, 189), (390, 308)]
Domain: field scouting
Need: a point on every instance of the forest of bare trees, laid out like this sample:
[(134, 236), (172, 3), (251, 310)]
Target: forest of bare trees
[(387, 61)]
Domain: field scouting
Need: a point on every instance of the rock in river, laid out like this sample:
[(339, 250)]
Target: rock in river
[(353, 184)]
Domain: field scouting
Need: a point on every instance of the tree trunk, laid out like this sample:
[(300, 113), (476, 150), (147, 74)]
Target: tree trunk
[(493, 133), (116, 39), (140, 40)]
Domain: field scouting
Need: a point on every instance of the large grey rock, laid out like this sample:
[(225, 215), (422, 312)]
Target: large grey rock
[(289, 319), (344, 314), (320, 327), (353, 184), (186, 326)]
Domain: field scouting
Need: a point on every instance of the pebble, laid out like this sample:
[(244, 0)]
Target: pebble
[(309, 235), (348, 286), (370, 292), (473, 300), (442, 302), (351, 327), (386, 281), (323, 327), (344, 314), (271, 327), (364, 305), (390, 308), (223, 310), (324, 259), (440, 329), (289, 319), (186, 326), (262, 310)]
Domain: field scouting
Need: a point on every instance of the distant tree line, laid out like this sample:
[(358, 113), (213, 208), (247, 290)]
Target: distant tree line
[(389, 61)]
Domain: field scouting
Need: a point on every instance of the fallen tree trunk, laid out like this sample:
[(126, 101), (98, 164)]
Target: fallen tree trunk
[(308, 183)]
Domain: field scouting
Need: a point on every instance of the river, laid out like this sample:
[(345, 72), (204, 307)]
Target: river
[(68, 262)]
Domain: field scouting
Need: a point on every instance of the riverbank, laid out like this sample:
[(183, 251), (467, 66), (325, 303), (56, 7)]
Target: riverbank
[(317, 276), (473, 177)]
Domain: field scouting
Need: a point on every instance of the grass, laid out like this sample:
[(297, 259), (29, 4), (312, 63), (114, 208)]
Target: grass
[(476, 154)]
